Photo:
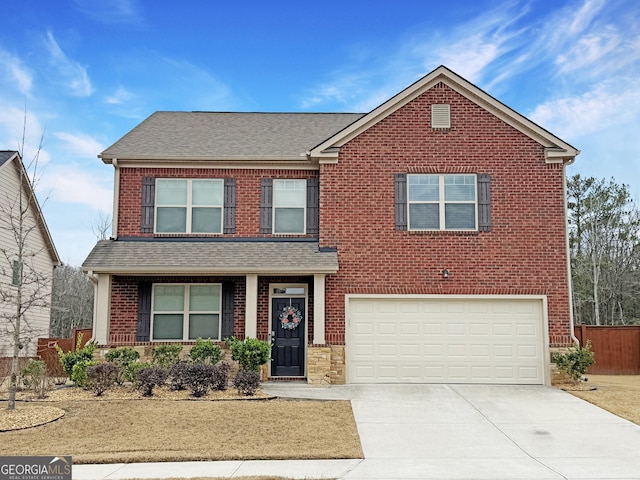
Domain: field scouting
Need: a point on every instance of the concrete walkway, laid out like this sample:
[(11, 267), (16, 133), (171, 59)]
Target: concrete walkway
[(444, 432)]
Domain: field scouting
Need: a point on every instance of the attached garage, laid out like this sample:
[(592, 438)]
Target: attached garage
[(447, 339)]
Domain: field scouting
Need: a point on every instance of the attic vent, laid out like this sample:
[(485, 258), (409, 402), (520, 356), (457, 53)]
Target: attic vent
[(441, 115)]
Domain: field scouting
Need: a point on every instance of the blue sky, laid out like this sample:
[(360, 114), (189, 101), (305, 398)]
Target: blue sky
[(89, 71)]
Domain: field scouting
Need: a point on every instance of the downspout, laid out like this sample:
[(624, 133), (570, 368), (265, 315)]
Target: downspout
[(116, 190)]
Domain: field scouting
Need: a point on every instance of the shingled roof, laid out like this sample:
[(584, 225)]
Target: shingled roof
[(227, 135), (209, 257)]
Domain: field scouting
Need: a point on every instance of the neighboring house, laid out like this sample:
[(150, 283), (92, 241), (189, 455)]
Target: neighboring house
[(20, 212), (424, 241)]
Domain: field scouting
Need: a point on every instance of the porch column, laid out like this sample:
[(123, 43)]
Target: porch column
[(251, 307), (318, 309), (101, 307)]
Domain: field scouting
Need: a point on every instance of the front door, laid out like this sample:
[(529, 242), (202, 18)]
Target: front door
[(288, 333)]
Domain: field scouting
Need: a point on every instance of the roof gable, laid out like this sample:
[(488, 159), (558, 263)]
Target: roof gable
[(556, 150), (8, 158)]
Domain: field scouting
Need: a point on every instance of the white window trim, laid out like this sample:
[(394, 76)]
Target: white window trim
[(189, 206), (185, 312), (304, 208), (441, 203)]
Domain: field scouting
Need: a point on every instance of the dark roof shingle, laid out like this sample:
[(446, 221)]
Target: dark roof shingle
[(220, 135), (210, 257)]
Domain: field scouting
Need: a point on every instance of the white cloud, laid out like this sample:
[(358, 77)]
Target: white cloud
[(120, 96), (70, 184), (17, 73), (73, 75), (111, 12), (608, 104), (80, 145)]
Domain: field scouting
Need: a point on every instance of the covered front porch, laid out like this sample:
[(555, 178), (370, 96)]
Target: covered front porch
[(273, 291)]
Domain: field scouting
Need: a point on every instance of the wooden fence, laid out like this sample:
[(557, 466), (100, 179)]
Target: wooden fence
[(48, 353), (616, 348)]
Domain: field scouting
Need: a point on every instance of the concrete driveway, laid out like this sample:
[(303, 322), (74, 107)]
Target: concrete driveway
[(443, 432), (482, 432)]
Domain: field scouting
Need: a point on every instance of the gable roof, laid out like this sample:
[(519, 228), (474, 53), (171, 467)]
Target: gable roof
[(226, 136), (9, 157), (556, 149)]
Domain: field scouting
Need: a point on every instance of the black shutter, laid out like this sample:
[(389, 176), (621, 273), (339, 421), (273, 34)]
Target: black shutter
[(229, 206), (400, 192), (313, 206), (266, 202), (484, 202), (227, 309), (144, 312), (148, 199)]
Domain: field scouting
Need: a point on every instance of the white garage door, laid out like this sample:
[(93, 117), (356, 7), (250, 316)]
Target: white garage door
[(445, 340)]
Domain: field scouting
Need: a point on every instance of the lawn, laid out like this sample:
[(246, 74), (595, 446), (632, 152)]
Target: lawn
[(619, 394), (156, 430)]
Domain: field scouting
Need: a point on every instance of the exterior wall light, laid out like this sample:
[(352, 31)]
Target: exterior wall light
[(445, 273)]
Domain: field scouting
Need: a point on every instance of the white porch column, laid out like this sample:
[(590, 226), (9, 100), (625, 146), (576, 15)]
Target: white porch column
[(318, 309), (251, 307), (101, 307)]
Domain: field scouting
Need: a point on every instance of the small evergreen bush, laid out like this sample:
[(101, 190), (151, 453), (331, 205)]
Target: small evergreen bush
[(177, 375), (575, 362), (166, 355), (79, 372), (35, 378), (150, 377), (205, 351), (247, 382), (69, 359), (198, 377), (220, 376), (101, 377), (122, 358), (250, 353)]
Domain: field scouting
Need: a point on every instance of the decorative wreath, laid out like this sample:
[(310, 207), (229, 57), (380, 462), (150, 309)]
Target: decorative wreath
[(290, 317)]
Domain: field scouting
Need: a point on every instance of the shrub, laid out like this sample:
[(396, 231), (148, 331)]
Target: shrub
[(246, 382), (150, 377), (79, 372), (575, 362), (101, 377), (69, 359), (177, 373), (220, 376), (250, 353), (166, 355), (205, 351), (122, 358), (35, 378), (198, 377)]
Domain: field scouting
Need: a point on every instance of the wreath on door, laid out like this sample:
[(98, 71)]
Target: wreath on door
[(290, 317)]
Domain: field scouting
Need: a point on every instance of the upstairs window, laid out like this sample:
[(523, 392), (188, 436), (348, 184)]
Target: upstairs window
[(189, 205), (289, 206), (442, 202), (186, 311)]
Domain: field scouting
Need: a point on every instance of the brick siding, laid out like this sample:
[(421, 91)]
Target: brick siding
[(525, 253)]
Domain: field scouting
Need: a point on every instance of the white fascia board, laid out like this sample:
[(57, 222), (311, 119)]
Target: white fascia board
[(463, 87), (173, 271)]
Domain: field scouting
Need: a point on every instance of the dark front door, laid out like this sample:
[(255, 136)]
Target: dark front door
[(288, 348)]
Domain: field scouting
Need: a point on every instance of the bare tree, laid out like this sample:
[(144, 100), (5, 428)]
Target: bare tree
[(101, 226), (71, 301), (27, 290), (604, 228)]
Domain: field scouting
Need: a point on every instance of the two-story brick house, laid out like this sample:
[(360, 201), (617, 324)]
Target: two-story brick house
[(424, 241)]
